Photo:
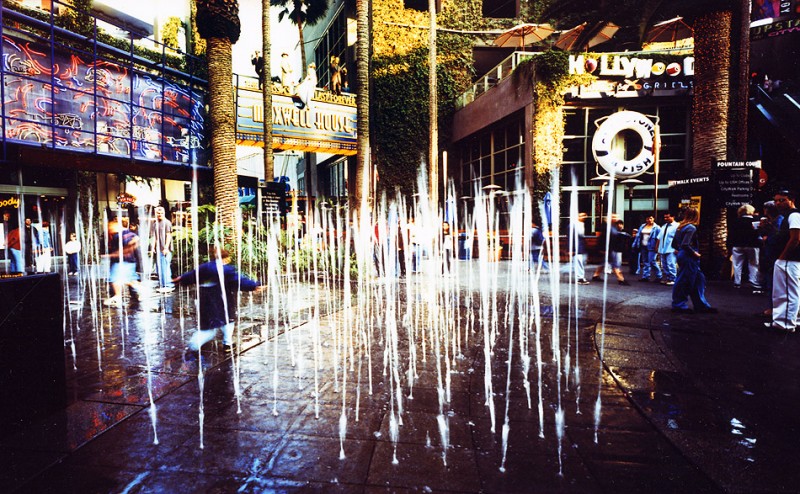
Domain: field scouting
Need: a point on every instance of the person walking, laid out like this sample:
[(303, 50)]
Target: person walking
[(617, 245), (537, 244), (768, 229), (122, 249), (161, 238), (786, 277), (72, 248), (578, 236), (14, 244), (44, 248), (690, 282), (217, 279), (645, 242), (744, 244), (666, 253)]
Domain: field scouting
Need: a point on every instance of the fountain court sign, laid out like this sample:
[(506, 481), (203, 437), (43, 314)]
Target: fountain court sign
[(326, 125)]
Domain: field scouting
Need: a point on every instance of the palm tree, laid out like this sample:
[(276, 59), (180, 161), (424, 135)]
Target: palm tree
[(712, 31), (218, 23), (362, 102), (266, 52), (302, 13)]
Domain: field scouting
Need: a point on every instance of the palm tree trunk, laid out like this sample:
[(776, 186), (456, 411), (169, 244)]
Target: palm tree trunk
[(362, 104), (433, 111), (223, 130), (267, 91), (302, 51), (710, 120)]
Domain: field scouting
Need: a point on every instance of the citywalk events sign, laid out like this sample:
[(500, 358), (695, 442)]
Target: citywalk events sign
[(622, 76), (326, 125)]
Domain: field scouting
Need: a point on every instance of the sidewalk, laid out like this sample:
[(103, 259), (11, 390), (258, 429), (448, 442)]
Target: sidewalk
[(689, 404)]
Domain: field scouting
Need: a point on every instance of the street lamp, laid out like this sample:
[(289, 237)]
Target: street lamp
[(630, 184)]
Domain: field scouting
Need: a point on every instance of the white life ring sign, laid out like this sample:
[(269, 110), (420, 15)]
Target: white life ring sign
[(608, 130)]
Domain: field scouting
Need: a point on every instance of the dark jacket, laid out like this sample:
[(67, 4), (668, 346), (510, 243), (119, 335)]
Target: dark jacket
[(742, 233), (216, 281)]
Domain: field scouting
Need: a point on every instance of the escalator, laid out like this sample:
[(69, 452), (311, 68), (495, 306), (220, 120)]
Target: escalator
[(777, 114)]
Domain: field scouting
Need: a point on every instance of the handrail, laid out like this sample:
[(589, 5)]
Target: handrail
[(492, 78)]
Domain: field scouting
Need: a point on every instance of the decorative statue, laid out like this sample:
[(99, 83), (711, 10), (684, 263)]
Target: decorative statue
[(258, 62), (336, 76), (287, 72), (306, 89)]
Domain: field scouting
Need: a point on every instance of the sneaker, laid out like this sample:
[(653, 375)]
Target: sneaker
[(597, 278), (682, 310), (624, 283), (772, 325), (737, 286), (583, 282), (113, 302), (166, 289), (669, 283)]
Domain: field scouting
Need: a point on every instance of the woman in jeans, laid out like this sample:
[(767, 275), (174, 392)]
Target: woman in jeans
[(690, 282)]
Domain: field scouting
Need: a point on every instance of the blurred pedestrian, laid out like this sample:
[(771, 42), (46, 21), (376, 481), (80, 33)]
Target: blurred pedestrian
[(44, 248), (786, 278), (537, 243), (646, 242), (217, 279), (666, 253), (122, 249), (744, 244), (578, 248), (617, 244), (690, 282), (72, 248)]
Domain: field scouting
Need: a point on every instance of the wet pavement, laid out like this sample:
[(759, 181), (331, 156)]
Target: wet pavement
[(689, 403)]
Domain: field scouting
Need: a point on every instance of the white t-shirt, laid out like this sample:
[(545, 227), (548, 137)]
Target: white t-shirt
[(794, 221), (72, 247)]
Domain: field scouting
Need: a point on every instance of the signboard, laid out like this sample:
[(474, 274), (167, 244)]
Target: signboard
[(772, 9), (688, 181), (604, 138), (626, 76), (273, 198), (735, 181), (327, 124)]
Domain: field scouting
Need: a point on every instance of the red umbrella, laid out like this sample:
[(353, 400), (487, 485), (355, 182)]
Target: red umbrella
[(524, 34), (583, 36), (669, 31)]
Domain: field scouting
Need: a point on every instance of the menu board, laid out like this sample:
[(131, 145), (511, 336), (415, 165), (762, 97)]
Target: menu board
[(735, 183)]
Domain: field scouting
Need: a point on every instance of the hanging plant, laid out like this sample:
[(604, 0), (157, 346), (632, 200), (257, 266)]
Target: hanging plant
[(547, 76)]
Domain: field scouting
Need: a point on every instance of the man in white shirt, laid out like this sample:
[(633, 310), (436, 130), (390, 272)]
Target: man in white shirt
[(665, 250), (786, 277)]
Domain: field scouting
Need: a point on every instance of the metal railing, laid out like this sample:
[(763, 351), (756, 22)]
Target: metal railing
[(493, 77)]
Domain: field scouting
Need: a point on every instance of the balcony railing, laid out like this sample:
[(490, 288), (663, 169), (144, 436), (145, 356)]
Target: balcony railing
[(493, 77)]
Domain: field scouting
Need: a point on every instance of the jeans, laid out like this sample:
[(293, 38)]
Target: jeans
[(668, 266), (164, 269), (203, 336), (648, 260), (17, 264), (579, 261), (690, 283), (72, 260)]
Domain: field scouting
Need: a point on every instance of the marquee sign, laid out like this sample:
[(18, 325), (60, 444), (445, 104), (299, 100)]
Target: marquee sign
[(625, 76), (608, 130), (326, 125)]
